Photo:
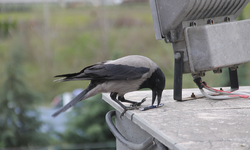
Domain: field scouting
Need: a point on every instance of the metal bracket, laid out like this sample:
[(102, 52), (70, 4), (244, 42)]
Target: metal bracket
[(233, 75), (144, 145), (178, 70)]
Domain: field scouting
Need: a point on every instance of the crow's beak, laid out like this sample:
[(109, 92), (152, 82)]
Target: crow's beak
[(158, 93), (153, 96)]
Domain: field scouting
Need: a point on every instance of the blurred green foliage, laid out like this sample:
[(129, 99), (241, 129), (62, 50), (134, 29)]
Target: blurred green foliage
[(19, 126), (69, 39)]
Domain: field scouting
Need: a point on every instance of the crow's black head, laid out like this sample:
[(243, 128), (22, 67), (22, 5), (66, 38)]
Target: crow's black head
[(156, 83)]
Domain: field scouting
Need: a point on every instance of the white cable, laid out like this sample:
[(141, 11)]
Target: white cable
[(227, 94), (216, 97), (240, 94)]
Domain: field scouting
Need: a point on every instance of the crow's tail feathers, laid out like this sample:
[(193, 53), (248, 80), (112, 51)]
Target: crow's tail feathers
[(78, 98), (67, 77)]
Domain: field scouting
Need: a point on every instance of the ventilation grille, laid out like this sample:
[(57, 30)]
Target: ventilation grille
[(214, 8)]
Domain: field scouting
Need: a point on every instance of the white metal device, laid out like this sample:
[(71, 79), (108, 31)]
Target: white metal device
[(204, 36)]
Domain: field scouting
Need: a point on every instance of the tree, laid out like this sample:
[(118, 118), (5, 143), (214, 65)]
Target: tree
[(19, 126)]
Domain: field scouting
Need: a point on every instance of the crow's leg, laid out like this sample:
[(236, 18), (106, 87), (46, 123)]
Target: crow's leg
[(133, 103), (113, 96)]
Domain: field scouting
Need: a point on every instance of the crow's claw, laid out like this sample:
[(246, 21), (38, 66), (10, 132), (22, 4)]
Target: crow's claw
[(132, 106), (127, 108), (136, 104), (122, 114)]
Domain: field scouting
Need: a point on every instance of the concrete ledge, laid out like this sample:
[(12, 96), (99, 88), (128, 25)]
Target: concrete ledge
[(193, 124)]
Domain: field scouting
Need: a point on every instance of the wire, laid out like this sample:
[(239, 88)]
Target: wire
[(215, 97), (233, 94), (226, 94)]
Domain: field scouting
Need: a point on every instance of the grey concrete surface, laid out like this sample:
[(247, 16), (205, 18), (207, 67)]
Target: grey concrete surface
[(193, 124)]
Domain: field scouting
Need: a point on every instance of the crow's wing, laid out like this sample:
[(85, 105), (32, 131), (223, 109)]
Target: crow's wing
[(107, 72), (115, 72)]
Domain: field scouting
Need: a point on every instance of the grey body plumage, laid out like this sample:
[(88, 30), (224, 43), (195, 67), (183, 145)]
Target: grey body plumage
[(120, 76)]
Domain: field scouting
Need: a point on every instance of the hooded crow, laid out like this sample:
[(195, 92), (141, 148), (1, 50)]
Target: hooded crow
[(118, 77)]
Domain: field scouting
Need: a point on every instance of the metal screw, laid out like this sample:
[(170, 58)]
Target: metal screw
[(199, 74), (202, 74), (193, 24), (233, 68), (177, 55), (227, 19), (192, 95), (218, 70), (210, 21)]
